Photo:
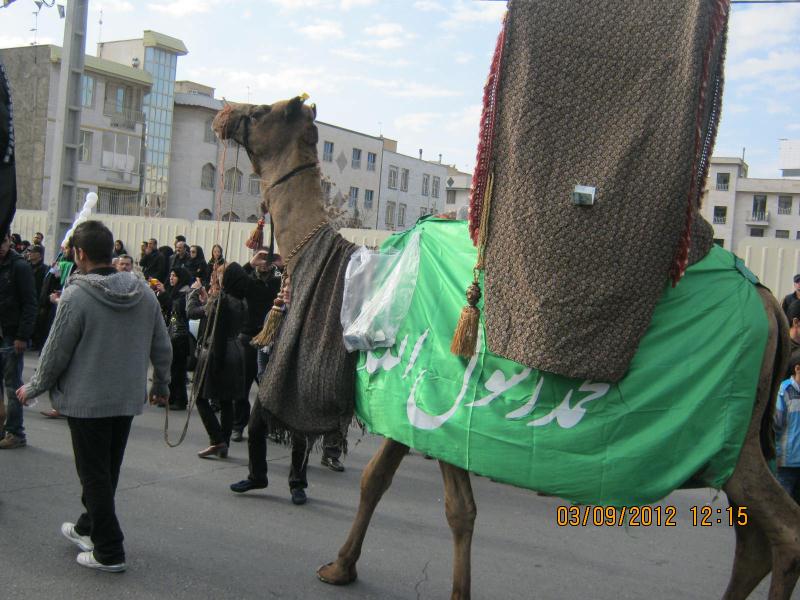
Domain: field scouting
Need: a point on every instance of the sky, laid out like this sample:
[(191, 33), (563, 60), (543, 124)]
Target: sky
[(412, 70)]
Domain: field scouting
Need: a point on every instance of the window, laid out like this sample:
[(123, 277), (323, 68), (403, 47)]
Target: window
[(209, 176), (720, 215), (233, 182), (435, 187), (80, 199), (368, 195), (254, 184), (210, 136), (401, 215), (392, 178), (426, 182), (782, 234), (371, 158), (85, 146), (723, 180), (204, 215), (326, 189), (356, 162), (390, 214), (327, 153), (756, 232), (404, 180), (760, 207), (784, 205), (451, 197), (353, 199), (230, 216), (87, 91), (422, 211), (797, 235), (252, 219), (719, 242), (120, 152)]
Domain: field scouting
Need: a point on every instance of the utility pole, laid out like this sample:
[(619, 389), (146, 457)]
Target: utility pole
[(61, 206)]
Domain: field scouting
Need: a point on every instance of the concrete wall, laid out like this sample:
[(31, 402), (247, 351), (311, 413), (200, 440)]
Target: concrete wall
[(29, 76)]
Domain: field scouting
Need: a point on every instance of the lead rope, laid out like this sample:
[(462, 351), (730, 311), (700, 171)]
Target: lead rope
[(197, 381)]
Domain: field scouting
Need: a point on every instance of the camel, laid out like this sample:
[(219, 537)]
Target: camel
[(281, 141)]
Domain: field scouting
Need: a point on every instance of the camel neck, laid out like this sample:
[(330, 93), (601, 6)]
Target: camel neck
[(296, 208)]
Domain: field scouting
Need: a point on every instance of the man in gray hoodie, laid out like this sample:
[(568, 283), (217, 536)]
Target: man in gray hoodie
[(107, 328)]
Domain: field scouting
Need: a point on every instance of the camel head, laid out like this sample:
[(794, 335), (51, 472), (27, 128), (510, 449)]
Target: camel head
[(277, 137)]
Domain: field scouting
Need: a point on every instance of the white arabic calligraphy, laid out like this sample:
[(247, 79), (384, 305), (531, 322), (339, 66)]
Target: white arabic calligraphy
[(566, 416)]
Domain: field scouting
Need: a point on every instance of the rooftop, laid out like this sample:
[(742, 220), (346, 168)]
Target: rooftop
[(108, 67), (153, 38)]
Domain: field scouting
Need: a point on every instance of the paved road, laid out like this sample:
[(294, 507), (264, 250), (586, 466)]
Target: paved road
[(188, 536)]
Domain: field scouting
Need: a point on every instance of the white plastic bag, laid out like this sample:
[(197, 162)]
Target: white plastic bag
[(377, 295)]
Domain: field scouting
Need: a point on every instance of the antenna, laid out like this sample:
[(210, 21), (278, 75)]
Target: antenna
[(100, 34)]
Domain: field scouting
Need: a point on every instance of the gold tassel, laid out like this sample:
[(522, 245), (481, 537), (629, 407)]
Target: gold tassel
[(465, 338), (271, 327)]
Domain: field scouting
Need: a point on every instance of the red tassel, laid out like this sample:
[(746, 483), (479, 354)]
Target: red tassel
[(256, 239)]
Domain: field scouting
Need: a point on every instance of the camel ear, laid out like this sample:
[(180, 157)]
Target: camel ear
[(293, 109), (310, 135)]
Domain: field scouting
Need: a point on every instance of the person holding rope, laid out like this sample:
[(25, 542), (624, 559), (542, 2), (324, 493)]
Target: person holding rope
[(221, 363), (108, 327)]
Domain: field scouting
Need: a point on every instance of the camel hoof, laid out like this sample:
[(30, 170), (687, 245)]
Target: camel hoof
[(334, 575)]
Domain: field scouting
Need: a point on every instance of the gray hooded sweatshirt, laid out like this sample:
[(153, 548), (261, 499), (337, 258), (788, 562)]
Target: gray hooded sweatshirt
[(94, 363)]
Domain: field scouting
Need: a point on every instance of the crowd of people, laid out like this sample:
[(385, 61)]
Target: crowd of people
[(66, 310)]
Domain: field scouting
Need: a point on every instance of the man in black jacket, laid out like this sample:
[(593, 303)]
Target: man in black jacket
[(17, 316), (36, 259), (152, 261), (265, 283), (793, 297)]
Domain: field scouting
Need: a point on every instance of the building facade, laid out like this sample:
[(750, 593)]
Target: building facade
[(350, 163), (410, 188), (157, 54), (147, 148), (456, 203), (741, 207), (111, 134)]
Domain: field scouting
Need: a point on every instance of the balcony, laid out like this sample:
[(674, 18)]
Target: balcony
[(720, 220), (722, 187), (127, 118), (758, 218)]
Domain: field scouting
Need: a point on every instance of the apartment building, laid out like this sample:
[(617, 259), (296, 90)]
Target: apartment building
[(456, 203), (147, 148), (410, 188), (351, 163), (739, 206), (156, 54), (111, 135)]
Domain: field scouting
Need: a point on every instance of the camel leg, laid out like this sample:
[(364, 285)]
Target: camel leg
[(751, 563), (773, 528), (459, 507), (772, 531), (375, 480)]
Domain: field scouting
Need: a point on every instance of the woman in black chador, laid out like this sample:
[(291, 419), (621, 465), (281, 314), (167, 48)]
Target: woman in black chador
[(173, 305), (222, 350)]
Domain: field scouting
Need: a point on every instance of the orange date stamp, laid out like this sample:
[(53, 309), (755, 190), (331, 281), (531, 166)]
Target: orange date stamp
[(647, 516)]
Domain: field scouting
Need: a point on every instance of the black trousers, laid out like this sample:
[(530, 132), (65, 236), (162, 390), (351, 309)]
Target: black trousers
[(99, 446), (219, 431), (257, 451), (241, 406), (177, 384)]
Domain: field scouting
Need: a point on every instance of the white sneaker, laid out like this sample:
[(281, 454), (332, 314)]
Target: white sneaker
[(87, 559), (84, 542)]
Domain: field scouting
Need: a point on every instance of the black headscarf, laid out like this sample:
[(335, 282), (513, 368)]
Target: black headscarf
[(184, 279), (235, 281)]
